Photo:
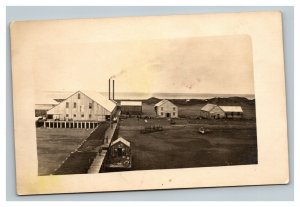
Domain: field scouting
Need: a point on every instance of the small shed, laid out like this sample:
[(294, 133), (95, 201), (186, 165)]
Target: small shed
[(120, 148), (212, 111), (166, 108), (232, 111), (131, 107)]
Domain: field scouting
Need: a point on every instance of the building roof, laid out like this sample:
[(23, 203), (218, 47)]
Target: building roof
[(131, 103), (231, 108), (163, 102), (121, 139), (103, 101), (208, 107)]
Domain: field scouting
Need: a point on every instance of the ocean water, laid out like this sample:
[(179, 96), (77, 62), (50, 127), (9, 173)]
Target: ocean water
[(47, 96), (143, 96)]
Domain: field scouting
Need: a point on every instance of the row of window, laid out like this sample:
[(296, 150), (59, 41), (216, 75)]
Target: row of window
[(162, 113), (162, 108), (82, 115), (75, 105), (233, 113)]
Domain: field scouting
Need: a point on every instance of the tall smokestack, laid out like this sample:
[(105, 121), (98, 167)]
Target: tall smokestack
[(113, 95), (108, 89)]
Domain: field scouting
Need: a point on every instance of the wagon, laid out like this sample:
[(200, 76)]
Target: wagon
[(202, 130)]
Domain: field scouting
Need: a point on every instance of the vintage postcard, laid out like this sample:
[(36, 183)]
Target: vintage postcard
[(139, 103)]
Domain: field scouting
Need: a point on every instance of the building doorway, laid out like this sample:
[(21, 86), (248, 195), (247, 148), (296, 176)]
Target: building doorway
[(168, 115), (120, 152)]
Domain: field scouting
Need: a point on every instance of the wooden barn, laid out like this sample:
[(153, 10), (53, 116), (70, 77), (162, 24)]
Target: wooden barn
[(83, 106), (131, 107), (235, 112), (212, 111), (166, 108)]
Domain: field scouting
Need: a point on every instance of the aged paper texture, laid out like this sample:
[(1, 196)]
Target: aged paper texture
[(140, 103)]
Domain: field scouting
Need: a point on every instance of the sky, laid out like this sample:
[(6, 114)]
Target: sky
[(220, 65)]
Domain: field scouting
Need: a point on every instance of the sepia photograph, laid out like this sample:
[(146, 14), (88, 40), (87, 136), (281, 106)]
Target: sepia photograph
[(145, 105), (154, 102)]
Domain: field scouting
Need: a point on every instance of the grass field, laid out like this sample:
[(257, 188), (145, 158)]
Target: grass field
[(54, 145), (229, 142), (80, 161)]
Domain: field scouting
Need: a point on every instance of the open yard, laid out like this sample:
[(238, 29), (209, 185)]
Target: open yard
[(229, 142), (54, 145), (80, 160)]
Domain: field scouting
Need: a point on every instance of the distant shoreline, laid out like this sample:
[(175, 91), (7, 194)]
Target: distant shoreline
[(215, 100), (202, 96), (146, 96), (181, 99)]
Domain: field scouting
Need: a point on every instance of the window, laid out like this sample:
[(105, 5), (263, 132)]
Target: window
[(67, 104), (162, 108), (74, 105), (90, 105), (174, 113), (162, 113), (74, 115), (67, 115), (174, 108), (90, 115), (82, 115), (78, 95)]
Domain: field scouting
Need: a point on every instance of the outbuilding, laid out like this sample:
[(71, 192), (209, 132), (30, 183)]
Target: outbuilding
[(233, 111), (131, 107), (212, 111), (119, 155), (166, 108), (120, 147)]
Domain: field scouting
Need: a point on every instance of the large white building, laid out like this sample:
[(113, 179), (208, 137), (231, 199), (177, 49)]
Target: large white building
[(83, 105), (166, 108)]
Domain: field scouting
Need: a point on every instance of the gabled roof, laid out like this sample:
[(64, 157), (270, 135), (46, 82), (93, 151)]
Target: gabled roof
[(231, 108), (208, 107), (163, 102), (101, 100), (121, 139), (109, 105), (131, 103)]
